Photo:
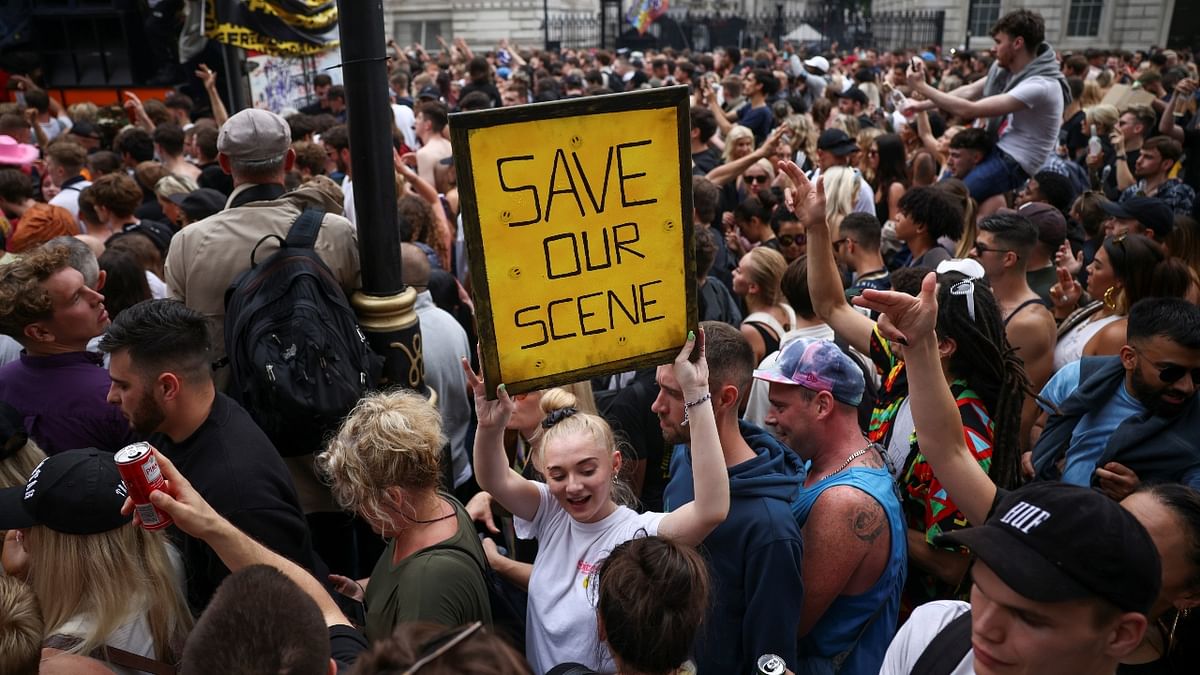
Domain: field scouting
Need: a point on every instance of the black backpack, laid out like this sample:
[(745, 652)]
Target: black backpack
[(299, 361)]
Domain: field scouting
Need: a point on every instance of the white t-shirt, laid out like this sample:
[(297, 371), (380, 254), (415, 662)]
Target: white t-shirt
[(561, 621), (1029, 135), (404, 122), (68, 198), (915, 635)]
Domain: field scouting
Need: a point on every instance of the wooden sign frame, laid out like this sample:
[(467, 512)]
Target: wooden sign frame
[(461, 126)]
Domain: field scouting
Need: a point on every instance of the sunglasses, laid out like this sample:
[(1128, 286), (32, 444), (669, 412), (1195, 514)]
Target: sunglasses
[(1173, 372), (789, 239), (984, 248), (757, 179)]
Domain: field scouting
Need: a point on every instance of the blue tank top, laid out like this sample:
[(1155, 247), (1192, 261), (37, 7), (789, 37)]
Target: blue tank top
[(824, 649)]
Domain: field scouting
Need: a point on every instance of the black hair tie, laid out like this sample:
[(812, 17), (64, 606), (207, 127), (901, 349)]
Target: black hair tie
[(557, 416)]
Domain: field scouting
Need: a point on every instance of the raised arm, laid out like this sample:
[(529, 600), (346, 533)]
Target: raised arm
[(693, 522), (991, 106), (235, 548), (515, 493), (209, 78), (1166, 125), (911, 321), (731, 170), (824, 281)]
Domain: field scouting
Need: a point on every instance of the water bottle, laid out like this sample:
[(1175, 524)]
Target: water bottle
[(900, 103), (1094, 145)]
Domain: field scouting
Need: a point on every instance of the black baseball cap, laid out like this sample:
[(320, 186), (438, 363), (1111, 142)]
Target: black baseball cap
[(430, 92), (836, 141), (1054, 542), (199, 204), (1151, 212), (73, 492), (84, 129), (855, 94)]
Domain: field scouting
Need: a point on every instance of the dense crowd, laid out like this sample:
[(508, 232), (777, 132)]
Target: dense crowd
[(939, 415)]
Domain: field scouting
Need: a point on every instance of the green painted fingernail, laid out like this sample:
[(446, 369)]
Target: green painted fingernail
[(691, 335), (503, 388)]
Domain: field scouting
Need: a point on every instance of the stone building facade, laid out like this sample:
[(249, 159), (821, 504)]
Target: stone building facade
[(1071, 25)]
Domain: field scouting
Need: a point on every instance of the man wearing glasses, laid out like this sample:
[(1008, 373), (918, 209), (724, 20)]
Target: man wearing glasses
[(1125, 419)]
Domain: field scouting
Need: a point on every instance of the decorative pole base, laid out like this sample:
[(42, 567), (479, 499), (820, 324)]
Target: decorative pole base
[(391, 326)]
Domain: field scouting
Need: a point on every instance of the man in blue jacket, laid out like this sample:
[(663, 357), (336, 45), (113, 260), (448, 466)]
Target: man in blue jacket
[(1124, 419), (754, 556)]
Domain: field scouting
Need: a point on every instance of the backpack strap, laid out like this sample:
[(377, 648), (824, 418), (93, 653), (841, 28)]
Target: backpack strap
[(303, 233), (947, 649), (113, 655)]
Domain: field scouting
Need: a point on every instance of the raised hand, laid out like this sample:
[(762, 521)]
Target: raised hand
[(1066, 292), (180, 500), (691, 368), (904, 318), (493, 414), (206, 76)]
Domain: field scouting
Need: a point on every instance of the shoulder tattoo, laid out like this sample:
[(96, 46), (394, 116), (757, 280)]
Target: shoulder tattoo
[(869, 522)]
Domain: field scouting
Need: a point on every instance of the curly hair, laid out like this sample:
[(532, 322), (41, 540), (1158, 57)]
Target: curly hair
[(23, 300), (390, 439), (935, 210)]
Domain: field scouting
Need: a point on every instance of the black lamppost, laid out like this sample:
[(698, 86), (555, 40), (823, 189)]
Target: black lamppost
[(384, 305)]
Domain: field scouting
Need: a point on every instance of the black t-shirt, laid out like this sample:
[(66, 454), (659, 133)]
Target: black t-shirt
[(345, 645), (237, 470), (704, 161), (1071, 134), (627, 410)]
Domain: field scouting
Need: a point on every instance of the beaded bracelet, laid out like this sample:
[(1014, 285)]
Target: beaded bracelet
[(688, 406)]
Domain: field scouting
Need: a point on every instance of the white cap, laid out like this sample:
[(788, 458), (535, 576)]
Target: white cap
[(818, 62)]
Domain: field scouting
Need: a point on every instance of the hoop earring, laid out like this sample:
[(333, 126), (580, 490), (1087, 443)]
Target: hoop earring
[(1109, 301)]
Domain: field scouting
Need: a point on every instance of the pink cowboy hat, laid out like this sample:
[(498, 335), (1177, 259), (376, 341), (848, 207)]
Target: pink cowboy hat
[(13, 153)]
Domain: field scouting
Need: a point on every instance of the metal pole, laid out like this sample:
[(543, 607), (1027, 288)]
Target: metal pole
[(385, 305), (546, 24), (235, 77)]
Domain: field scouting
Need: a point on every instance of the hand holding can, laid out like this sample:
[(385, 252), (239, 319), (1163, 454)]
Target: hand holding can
[(140, 471)]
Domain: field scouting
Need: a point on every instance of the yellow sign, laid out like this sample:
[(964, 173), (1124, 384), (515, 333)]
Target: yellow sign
[(579, 233)]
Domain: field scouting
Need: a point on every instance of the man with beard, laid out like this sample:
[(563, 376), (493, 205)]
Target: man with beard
[(755, 554), (1129, 418), (160, 361)]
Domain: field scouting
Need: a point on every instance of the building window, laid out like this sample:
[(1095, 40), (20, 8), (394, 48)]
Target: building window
[(424, 32), (1084, 18), (984, 14)]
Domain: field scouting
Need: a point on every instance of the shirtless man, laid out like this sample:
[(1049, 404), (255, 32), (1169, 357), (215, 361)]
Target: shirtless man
[(1002, 247), (430, 121)]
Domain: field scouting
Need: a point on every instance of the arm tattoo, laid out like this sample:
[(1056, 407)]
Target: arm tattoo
[(869, 522)]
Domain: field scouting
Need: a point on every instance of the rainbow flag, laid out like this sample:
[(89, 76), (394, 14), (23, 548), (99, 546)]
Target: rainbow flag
[(642, 13)]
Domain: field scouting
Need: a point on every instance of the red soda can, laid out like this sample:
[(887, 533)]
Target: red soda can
[(142, 476)]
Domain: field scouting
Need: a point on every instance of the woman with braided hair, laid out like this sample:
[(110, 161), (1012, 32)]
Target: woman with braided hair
[(988, 381)]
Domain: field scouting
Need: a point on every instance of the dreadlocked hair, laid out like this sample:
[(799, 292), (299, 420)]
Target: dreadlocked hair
[(984, 358)]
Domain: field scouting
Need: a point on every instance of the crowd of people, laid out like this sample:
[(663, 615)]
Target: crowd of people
[(939, 414)]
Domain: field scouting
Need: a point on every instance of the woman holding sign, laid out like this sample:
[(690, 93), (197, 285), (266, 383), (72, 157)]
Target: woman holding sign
[(573, 515)]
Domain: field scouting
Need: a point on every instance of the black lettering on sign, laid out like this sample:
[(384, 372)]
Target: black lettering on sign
[(620, 242), (554, 335), (614, 299), (550, 258), (536, 322), (643, 303), (560, 157), (587, 253), (622, 176), (587, 185), (584, 315), (537, 205)]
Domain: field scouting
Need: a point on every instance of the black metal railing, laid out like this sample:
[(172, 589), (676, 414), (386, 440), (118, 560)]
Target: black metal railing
[(818, 29)]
